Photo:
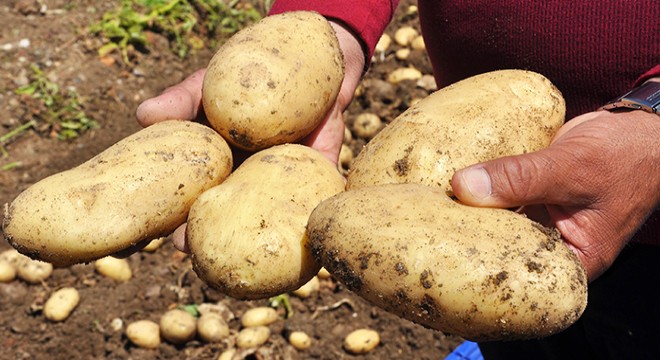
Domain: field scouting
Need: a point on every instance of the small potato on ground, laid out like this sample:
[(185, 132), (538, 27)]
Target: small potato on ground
[(61, 303), (361, 341), (155, 244), (144, 333), (300, 340), (404, 73), (34, 271), (252, 337), (367, 125), (227, 354), (13, 257), (307, 290), (259, 316), (178, 326), (405, 35), (114, 268), (211, 327), (7, 271)]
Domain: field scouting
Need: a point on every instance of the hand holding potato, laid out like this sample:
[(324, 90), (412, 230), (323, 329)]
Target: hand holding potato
[(184, 100), (479, 273), (599, 180)]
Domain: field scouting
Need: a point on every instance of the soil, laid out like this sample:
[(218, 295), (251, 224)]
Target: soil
[(60, 43)]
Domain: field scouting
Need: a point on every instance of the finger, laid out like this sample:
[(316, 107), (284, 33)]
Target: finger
[(179, 239), (542, 177), (587, 234), (181, 101)]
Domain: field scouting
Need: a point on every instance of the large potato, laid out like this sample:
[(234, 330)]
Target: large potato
[(247, 235), (274, 82), (138, 189), (480, 273), (501, 113)]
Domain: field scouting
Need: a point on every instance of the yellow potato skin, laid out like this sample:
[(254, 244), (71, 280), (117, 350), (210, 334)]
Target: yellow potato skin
[(479, 273), (487, 116), (273, 82), (247, 236), (138, 189)]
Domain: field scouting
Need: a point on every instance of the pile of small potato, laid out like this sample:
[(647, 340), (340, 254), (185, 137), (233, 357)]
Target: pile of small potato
[(395, 236), (208, 322), (61, 302), (15, 265), (211, 324)]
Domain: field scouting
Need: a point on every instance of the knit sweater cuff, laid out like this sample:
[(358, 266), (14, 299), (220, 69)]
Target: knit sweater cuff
[(654, 72), (367, 19)]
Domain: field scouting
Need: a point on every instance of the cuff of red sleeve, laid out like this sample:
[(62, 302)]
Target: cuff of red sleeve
[(367, 19), (654, 72)]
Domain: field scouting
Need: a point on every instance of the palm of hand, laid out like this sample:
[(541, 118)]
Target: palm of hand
[(604, 183)]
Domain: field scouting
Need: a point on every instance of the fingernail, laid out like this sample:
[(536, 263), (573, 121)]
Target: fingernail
[(144, 106), (478, 183)]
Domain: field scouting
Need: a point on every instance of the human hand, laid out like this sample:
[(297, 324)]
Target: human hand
[(184, 101), (598, 181)]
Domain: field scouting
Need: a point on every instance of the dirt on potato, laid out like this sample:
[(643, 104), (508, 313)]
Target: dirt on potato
[(54, 35)]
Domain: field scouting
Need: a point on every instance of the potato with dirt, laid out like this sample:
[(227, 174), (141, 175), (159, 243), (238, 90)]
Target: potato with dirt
[(138, 189), (487, 116), (479, 273), (274, 82), (247, 235)]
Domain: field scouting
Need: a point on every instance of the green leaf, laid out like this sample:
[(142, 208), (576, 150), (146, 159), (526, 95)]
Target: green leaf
[(191, 309), (281, 300), (28, 89), (10, 166), (107, 49)]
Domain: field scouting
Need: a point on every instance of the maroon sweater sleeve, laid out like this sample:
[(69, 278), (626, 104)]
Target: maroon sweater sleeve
[(654, 72), (366, 18)]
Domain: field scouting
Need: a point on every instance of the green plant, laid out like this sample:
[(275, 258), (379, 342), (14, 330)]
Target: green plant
[(12, 134), (10, 166), (60, 113), (192, 309), (184, 22), (281, 300)]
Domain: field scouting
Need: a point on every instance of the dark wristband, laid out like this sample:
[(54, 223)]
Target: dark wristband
[(645, 97)]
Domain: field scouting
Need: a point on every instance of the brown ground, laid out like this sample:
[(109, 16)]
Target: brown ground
[(61, 44)]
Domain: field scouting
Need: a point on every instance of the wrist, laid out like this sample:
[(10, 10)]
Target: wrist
[(354, 61), (656, 79), (354, 55), (649, 134)]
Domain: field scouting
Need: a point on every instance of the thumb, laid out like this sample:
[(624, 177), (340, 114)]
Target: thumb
[(181, 101), (510, 181)]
